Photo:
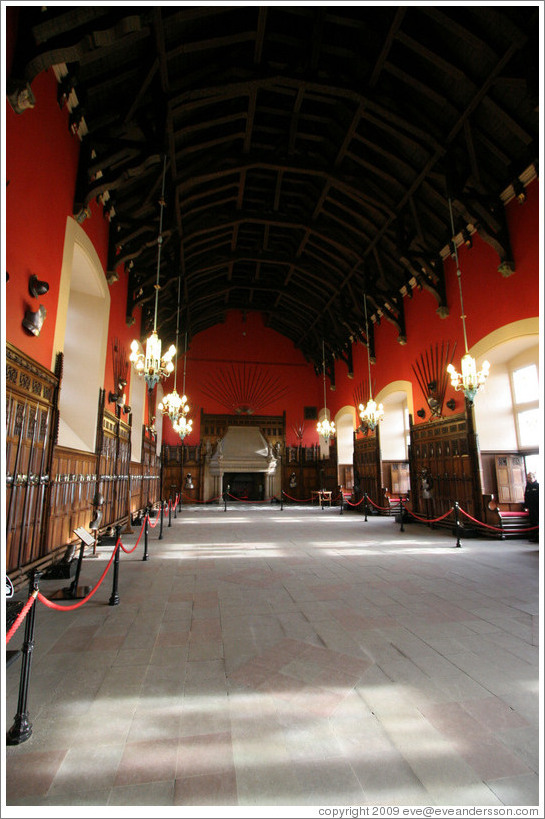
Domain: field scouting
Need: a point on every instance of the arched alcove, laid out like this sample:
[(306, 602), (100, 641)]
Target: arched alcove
[(397, 399), (81, 334), (345, 422)]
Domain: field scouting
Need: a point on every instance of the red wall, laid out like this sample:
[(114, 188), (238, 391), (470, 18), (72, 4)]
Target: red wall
[(247, 341), (490, 301), (41, 164), (41, 167)]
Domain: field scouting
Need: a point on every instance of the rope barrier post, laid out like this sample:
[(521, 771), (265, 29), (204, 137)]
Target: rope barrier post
[(457, 523), (175, 504), (401, 511), (281, 500), (225, 501), (114, 597), (342, 501), (180, 500), (146, 530), (365, 505), (73, 590), (161, 512), (21, 729), (169, 513)]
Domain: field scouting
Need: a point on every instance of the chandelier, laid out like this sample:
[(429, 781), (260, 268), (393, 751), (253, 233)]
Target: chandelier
[(174, 404), (150, 363), (325, 428), (371, 413), (183, 425), (470, 379)]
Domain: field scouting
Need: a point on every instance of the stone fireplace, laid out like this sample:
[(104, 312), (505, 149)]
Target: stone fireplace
[(244, 460)]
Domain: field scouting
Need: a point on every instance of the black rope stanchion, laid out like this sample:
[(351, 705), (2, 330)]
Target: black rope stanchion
[(161, 521), (21, 729), (457, 524), (281, 500), (146, 530), (225, 501), (175, 508), (401, 515), (365, 505), (114, 597), (169, 513), (341, 498)]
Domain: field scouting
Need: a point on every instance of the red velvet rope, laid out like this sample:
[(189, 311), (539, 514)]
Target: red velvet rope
[(157, 519), (354, 504), (21, 616), (51, 605), (297, 500), (430, 520), (498, 528), (128, 551), (376, 504)]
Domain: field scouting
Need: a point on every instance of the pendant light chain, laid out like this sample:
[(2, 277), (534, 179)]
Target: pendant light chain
[(458, 273), (160, 242)]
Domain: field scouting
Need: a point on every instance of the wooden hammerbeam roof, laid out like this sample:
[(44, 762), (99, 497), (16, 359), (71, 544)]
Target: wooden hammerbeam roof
[(310, 150)]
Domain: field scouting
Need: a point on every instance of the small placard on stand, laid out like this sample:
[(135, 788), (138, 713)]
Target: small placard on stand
[(84, 535), (75, 592)]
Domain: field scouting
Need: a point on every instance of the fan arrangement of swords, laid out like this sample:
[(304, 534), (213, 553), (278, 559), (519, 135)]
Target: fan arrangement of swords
[(244, 391), (431, 373)]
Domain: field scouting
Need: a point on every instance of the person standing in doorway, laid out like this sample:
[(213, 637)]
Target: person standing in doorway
[(531, 502)]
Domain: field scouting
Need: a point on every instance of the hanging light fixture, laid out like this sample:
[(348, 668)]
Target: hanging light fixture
[(151, 364), (325, 428), (183, 425), (371, 413), (470, 379), (174, 404)]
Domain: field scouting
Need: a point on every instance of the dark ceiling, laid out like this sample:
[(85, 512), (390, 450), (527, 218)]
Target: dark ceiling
[(310, 151)]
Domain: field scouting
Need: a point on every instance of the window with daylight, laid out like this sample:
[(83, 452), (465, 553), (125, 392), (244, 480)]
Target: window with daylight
[(525, 389)]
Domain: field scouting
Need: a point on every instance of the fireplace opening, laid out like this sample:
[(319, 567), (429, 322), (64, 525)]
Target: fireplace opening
[(245, 485)]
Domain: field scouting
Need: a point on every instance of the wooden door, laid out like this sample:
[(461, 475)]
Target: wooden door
[(511, 478)]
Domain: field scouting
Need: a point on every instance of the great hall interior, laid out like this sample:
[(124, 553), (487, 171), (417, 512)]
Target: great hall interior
[(272, 284)]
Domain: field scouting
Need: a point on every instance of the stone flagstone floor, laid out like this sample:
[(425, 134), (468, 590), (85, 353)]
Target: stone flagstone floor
[(298, 657)]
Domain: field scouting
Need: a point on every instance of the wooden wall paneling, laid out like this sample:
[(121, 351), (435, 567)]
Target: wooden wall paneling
[(192, 462), (107, 465), (135, 488), (448, 449), (368, 467), (151, 471), (72, 492), (122, 469), (31, 399)]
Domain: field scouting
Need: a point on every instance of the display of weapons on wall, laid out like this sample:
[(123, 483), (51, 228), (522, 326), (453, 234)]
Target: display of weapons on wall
[(431, 373), (244, 391)]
